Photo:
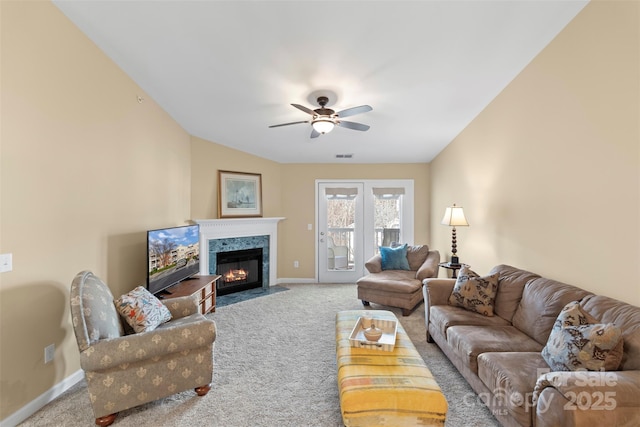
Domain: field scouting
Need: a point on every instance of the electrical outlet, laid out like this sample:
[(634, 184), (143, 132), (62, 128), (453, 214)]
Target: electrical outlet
[(49, 352), (296, 264)]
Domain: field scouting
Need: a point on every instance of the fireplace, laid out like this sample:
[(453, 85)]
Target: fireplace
[(240, 270), (233, 234)]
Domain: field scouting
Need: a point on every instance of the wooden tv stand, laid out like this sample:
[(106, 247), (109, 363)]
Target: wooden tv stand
[(203, 286)]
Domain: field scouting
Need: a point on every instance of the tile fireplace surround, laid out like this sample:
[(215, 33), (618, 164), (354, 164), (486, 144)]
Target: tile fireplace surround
[(215, 233)]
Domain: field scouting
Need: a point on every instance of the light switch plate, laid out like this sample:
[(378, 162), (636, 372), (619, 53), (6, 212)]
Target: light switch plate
[(6, 262)]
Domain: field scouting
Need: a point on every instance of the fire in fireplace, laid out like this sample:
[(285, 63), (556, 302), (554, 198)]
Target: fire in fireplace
[(240, 270)]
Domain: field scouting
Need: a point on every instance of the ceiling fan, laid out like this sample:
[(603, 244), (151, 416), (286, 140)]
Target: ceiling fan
[(324, 119)]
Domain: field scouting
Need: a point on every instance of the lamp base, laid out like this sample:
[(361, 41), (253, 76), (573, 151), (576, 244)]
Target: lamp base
[(455, 260)]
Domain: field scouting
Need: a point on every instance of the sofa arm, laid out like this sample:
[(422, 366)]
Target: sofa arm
[(374, 265), (429, 267), (185, 335), (587, 398), (182, 306), (437, 291)]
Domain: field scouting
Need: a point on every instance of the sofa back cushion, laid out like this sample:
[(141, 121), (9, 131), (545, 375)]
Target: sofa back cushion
[(511, 282), (623, 315), (542, 300), (416, 256)]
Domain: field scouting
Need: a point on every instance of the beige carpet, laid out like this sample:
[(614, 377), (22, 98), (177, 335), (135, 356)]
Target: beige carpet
[(275, 366)]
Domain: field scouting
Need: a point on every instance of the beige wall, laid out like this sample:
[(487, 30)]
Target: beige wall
[(548, 173), (207, 158), (296, 242), (85, 170), (288, 191)]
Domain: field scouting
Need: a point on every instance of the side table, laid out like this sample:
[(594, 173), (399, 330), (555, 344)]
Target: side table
[(453, 267), (203, 286)]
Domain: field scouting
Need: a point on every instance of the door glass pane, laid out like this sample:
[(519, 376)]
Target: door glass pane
[(341, 211), (387, 216)]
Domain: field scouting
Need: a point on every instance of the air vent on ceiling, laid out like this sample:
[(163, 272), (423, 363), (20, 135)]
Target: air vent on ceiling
[(344, 156)]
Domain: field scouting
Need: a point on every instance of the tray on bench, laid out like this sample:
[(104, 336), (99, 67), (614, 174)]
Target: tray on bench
[(386, 342)]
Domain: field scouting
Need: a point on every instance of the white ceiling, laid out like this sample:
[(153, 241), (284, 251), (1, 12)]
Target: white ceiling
[(226, 70)]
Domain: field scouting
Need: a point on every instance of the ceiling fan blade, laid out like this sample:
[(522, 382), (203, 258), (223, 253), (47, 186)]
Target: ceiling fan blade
[(353, 125), (287, 124), (315, 133), (305, 109), (354, 110)]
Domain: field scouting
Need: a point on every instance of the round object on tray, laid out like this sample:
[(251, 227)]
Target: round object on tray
[(372, 333)]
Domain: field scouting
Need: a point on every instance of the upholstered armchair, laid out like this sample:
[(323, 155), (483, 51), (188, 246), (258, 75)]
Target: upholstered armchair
[(398, 284), (127, 370)]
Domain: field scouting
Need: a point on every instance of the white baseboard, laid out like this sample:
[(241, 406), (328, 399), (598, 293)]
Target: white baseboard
[(38, 403), (282, 280)]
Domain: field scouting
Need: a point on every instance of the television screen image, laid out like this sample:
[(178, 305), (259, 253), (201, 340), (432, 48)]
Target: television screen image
[(173, 255)]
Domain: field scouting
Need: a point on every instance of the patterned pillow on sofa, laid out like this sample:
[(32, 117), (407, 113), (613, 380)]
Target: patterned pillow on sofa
[(578, 342), (473, 292), (142, 310)]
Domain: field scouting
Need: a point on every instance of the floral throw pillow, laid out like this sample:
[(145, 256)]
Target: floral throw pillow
[(473, 292), (142, 311), (578, 342)]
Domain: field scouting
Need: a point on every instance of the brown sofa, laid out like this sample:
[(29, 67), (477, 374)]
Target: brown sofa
[(398, 288), (500, 356)]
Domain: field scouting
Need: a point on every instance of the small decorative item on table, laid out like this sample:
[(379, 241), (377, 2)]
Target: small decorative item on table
[(377, 334)]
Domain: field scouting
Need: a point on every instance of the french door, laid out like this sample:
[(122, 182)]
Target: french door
[(354, 218), (340, 236)]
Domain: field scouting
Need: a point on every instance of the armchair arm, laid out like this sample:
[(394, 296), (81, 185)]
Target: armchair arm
[(588, 398), (182, 306), (374, 265), (184, 334), (429, 267)]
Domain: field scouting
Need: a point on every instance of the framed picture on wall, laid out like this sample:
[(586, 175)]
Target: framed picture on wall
[(239, 194)]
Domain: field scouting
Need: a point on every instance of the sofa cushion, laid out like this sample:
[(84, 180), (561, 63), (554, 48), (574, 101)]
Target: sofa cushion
[(142, 311), (542, 300), (623, 315), (470, 341), (391, 281), (416, 256), (443, 316), (394, 258), (474, 292), (511, 282), (578, 342), (511, 377)]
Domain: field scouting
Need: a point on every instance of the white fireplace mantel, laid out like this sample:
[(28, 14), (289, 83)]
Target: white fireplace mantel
[(240, 227)]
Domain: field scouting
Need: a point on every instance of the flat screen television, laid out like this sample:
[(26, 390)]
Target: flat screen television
[(173, 255)]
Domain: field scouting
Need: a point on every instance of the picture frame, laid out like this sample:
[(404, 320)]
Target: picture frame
[(239, 194)]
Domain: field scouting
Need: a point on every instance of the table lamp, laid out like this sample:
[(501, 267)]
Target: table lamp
[(454, 217)]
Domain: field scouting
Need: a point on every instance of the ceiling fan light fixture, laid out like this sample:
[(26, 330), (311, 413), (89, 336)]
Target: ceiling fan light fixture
[(323, 125)]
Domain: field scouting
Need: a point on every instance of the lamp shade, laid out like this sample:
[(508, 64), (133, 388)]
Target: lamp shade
[(454, 216), (323, 125)]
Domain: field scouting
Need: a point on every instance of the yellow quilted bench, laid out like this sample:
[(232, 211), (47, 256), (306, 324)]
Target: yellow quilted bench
[(385, 388)]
